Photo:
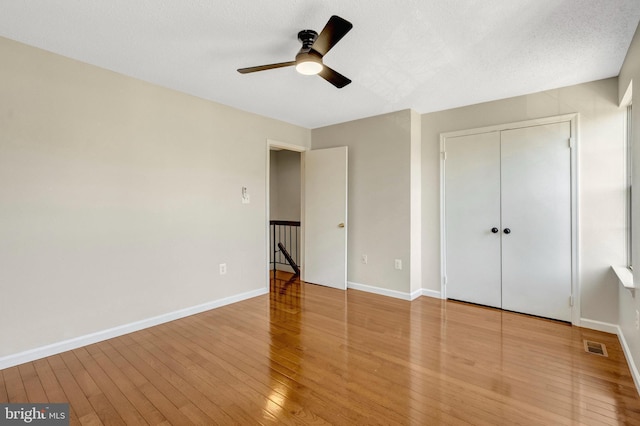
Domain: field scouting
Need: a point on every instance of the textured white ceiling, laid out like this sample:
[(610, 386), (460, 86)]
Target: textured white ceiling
[(428, 55)]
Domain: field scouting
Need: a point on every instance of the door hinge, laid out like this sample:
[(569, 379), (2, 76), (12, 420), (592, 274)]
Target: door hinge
[(571, 141), (444, 155), (571, 300)]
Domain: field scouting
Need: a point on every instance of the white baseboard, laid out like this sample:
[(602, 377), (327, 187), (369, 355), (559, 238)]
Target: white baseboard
[(599, 326), (635, 374), (431, 293), (67, 345), (379, 290), (615, 329), (393, 293), (414, 295)]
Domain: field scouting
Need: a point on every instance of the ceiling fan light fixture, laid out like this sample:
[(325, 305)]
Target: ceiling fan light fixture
[(308, 63)]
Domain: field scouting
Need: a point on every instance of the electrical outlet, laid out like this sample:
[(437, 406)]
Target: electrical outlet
[(364, 259), (398, 264), (223, 269), (637, 320)]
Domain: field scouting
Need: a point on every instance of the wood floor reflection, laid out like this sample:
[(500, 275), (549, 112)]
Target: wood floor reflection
[(307, 354)]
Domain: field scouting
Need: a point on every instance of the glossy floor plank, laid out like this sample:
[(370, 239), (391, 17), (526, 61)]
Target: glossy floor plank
[(306, 354)]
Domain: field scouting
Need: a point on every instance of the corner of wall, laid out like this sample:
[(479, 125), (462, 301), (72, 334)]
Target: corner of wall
[(630, 66), (416, 202)]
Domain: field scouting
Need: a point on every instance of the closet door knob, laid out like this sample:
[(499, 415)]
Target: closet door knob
[(507, 230), (494, 230)]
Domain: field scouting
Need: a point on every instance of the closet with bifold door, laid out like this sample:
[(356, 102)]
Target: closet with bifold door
[(507, 217)]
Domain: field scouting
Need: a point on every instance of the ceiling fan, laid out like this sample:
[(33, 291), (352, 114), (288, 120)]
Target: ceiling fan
[(309, 59)]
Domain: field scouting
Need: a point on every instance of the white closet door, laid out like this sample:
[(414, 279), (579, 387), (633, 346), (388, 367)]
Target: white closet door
[(472, 209), (536, 208)]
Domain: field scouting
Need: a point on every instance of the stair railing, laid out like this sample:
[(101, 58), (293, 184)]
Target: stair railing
[(285, 244)]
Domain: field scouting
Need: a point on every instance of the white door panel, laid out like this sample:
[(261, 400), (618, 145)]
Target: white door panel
[(536, 207), (472, 209), (325, 217)]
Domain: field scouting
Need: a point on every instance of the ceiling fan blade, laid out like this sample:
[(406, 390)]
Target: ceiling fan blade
[(266, 67), (334, 77), (331, 34)]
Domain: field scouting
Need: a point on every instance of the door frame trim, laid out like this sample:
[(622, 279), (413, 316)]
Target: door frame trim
[(574, 120)]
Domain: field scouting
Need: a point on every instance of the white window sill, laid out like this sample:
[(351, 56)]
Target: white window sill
[(625, 276)]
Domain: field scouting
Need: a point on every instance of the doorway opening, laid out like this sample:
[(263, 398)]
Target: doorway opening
[(308, 187), (285, 233)]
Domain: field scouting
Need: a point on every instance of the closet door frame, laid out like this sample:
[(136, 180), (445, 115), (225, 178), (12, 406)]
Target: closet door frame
[(573, 120)]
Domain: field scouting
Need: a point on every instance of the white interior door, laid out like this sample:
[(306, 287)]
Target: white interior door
[(325, 217), (472, 210), (536, 208)]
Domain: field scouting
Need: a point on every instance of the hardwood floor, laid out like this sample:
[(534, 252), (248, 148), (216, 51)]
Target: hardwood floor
[(306, 354)]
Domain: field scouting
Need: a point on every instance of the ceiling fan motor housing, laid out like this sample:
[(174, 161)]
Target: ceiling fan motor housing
[(308, 61), (308, 56)]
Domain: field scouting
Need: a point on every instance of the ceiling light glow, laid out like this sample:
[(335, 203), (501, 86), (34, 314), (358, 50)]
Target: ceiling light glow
[(309, 67)]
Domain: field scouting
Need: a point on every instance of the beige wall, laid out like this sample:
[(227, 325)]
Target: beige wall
[(630, 303), (118, 199), (379, 196), (273, 185), (285, 184), (601, 181)]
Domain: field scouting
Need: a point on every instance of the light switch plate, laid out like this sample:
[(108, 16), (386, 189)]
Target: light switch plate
[(245, 196)]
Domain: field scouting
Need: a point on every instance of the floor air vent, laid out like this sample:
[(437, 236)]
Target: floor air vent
[(595, 348)]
